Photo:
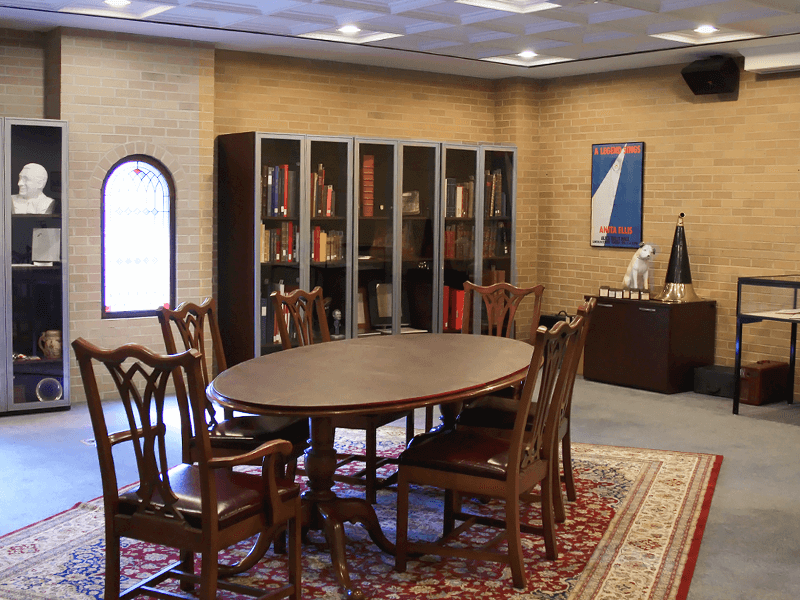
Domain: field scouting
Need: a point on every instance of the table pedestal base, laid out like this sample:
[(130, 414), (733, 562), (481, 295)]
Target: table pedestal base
[(329, 512)]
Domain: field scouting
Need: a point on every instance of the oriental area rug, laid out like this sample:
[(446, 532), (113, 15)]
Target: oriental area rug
[(633, 533)]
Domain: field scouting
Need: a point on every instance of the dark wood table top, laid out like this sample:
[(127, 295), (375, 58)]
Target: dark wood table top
[(372, 375)]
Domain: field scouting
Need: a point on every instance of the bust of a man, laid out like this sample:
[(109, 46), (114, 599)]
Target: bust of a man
[(31, 199)]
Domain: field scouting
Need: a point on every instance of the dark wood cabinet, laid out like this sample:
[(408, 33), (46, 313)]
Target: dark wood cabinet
[(649, 345)]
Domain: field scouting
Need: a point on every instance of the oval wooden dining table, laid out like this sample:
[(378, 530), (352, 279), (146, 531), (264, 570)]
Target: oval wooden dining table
[(367, 375)]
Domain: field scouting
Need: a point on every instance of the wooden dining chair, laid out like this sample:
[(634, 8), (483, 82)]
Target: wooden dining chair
[(304, 322), (474, 463), (197, 327), (198, 507), (496, 415)]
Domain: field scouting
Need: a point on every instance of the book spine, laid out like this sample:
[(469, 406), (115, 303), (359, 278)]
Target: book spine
[(368, 186)]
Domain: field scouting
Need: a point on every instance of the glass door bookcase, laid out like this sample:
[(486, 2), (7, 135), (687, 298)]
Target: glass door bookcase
[(419, 251), (377, 308), (35, 371), (460, 211), (284, 215)]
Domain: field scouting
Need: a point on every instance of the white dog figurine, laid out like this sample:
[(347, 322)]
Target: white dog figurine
[(637, 277)]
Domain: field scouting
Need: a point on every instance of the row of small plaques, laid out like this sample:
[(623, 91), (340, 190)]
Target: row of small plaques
[(609, 292)]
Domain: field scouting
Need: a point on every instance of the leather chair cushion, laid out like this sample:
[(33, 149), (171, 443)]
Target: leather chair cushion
[(491, 411), (247, 432), (467, 452), (238, 494)]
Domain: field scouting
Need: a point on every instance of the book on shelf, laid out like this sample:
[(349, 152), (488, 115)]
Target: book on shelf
[(492, 276), (330, 201), (446, 307), (368, 185), (456, 309)]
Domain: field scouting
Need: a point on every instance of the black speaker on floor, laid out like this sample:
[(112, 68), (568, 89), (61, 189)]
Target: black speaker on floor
[(714, 75)]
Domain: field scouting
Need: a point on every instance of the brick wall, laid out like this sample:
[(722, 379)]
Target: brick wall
[(21, 74), (125, 95), (731, 165)]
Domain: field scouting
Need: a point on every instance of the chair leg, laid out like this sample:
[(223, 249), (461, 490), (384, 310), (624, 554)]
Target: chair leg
[(208, 575), (410, 428), (569, 476), (428, 418), (514, 542), (295, 569), (112, 567), (401, 536), (548, 522), (371, 474), (452, 504), (187, 565), (559, 512)]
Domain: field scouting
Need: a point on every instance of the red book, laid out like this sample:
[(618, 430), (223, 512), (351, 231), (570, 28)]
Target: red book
[(285, 190), (456, 309), (446, 307), (329, 201), (315, 257), (291, 241)]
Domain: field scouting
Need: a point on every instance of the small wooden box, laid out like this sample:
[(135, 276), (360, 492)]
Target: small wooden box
[(763, 382)]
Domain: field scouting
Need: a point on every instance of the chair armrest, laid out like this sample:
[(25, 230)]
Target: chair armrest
[(282, 447), (126, 435)]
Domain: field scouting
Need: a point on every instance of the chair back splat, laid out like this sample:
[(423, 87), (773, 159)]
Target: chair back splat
[(195, 326), (501, 301), (306, 312), (198, 507)]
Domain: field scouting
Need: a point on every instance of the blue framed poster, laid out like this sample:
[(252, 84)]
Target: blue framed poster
[(617, 180)]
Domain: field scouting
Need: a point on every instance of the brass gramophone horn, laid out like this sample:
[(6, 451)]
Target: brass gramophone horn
[(678, 286)]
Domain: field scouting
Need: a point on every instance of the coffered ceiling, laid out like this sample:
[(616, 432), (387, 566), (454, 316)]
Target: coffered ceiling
[(481, 38)]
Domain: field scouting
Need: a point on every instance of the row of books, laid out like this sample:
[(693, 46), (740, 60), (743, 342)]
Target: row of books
[(280, 195), (328, 245), (496, 239), (460, 197), (323, 196), (459, 239), (279, 244)]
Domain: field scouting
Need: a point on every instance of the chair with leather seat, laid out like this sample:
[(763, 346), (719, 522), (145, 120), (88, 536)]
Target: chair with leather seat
[(235, 434), (199, 507), (471, 462), (496, 414), (304, 322)]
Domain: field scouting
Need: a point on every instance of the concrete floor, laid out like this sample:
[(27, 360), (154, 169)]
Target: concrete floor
[(752, 541)]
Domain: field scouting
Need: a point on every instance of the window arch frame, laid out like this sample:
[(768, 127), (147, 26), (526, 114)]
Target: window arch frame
[(170, 182)]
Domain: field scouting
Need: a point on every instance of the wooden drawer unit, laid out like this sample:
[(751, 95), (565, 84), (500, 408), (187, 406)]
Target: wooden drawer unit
[(649, 345)]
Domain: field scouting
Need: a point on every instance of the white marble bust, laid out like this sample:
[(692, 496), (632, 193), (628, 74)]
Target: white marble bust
[(31, 199)]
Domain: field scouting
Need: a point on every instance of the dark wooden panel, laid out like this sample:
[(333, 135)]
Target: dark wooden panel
[(649, 345)]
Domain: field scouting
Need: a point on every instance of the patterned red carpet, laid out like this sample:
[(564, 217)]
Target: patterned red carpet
[(633, 533)]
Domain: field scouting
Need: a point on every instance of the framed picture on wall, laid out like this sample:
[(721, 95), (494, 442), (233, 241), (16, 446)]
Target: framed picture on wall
[(617, 182)]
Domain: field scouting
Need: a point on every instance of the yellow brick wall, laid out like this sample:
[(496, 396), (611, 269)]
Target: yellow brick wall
[(22, 60), (126, 95), (283, 95), (731, 165)]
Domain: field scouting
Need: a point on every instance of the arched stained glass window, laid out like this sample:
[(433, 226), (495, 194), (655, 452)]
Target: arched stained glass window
[(138, 251)]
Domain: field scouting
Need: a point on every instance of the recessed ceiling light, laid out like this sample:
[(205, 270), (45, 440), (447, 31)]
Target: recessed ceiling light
[(349, 29), (117, 3), (527, 54), (706, 29)]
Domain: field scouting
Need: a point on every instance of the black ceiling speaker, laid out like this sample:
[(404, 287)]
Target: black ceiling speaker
[(714, 75)]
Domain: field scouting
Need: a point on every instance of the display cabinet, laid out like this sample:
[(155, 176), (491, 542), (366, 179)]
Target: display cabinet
[(767, 298), (35, 373)]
